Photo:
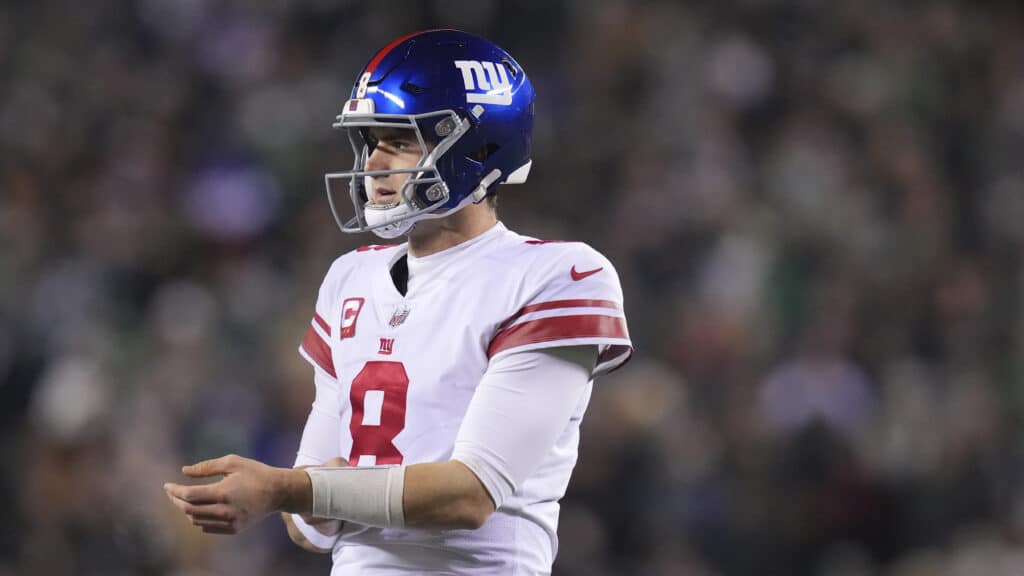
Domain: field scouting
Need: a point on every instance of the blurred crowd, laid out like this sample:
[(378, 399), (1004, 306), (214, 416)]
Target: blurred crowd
[(816, 208)]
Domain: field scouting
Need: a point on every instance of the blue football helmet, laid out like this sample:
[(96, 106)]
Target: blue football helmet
[(460, 93)]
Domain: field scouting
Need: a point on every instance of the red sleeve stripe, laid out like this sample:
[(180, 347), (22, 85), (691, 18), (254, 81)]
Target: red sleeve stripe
[(553, 304), (318, 350), (558, 328), (323, 324)]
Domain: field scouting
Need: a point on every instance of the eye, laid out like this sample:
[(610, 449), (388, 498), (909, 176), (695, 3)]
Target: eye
[(393, 143), (404, 144)]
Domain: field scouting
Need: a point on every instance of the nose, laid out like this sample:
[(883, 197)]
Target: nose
[(377, 160)]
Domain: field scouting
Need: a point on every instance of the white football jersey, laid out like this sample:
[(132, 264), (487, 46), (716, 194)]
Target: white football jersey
[(404, 369)]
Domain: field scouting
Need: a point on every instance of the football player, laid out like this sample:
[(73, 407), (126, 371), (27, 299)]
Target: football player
[(451, 370)]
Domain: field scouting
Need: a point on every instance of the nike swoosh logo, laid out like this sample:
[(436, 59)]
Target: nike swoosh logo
[(577, 276)]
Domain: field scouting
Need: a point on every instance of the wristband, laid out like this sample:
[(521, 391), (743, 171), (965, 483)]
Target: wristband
[(368, 495)]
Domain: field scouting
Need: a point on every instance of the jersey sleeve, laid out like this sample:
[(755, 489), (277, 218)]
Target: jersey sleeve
[(316, 344), (321, 438), (508, 431), (315, 347), (321, 441), (571, 296)]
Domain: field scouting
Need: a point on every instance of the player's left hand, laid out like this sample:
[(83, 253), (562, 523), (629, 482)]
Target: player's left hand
[(249, 491)]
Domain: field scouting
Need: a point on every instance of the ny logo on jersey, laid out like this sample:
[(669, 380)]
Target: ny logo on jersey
[(490, 77), (350, 309), (387, 345)]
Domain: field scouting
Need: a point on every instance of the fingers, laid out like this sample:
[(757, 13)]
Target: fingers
[(298, 537), (212, 518), (213, 512), (329, 529), (216, 467), (209, 523), (200, 494)]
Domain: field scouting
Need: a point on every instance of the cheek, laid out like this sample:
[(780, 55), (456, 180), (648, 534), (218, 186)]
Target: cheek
[(406, 161), (397, 181)]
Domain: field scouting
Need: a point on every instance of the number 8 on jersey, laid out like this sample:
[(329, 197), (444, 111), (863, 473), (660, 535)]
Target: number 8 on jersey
[(378, 399)]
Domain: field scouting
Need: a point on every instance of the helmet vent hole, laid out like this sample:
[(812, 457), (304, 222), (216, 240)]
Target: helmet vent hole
[(484, 152), (413, 88), (512, 71)]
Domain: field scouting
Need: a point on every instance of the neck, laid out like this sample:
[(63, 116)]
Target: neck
[(432, 236)]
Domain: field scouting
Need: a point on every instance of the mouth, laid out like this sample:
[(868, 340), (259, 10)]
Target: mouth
[(384, 198)]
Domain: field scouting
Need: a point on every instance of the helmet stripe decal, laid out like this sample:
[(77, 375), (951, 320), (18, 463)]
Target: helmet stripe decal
[(385, 50)]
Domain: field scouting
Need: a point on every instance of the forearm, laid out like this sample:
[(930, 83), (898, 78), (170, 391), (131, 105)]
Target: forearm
[(431, 495), (444, 495)]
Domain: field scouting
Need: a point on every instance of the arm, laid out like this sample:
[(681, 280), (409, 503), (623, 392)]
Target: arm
[(489, 461), (505, 435), (321, 441), (522, 405)]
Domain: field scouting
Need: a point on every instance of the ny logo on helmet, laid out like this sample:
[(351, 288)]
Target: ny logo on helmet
[(487, 76)]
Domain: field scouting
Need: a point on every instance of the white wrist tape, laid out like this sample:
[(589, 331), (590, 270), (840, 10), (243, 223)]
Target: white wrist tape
[(369, 495)]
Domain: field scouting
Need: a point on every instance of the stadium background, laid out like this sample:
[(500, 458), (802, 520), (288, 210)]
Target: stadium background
[(816, 208)]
